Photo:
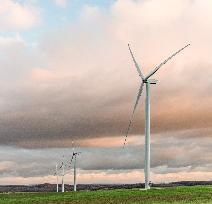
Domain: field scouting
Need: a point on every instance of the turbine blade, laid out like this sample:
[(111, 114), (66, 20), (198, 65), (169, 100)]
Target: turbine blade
[(136, 64), (164, 62), (72, 158), (61, 166), (133, 111), (73, 152), (73, 145)]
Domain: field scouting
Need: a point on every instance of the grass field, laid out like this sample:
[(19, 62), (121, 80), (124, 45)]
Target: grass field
[(197, 194)]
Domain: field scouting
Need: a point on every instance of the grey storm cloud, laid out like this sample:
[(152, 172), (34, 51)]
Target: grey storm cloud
[(68, 113), (168, 155)]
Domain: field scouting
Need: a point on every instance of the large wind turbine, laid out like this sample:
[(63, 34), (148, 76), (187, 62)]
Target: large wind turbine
[(146, 80)]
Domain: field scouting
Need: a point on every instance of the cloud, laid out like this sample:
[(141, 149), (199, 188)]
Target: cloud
[(5, 166), (99, 177), (80, 83), (61, 3), (172, 159), (7, 41), (17, 16)]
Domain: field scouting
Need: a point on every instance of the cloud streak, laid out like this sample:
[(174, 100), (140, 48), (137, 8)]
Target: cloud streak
[(172, 159)]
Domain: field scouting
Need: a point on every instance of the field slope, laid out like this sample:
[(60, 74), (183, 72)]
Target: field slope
[(174, 195)]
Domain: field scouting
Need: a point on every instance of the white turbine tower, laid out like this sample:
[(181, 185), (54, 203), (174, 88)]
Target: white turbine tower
[(74, 157), (56, 173), (63, 174), (146, 80)]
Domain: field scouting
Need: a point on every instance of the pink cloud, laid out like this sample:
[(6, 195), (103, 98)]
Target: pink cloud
[(43, 75), (61, 3), (112, 177), (16, 16)]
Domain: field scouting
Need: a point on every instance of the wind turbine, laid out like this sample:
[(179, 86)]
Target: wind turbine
[(146, 80), (56, 174), (74, 157), (63, 174)]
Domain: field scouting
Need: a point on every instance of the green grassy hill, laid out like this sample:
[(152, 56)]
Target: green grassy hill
[(174, 195)]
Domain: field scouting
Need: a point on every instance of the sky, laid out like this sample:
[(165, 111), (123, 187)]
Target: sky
[(66, 75)]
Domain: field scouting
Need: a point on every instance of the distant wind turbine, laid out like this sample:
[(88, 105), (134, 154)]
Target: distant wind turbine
[(63, 174), (74, 157), (56, 174), (146, 80)]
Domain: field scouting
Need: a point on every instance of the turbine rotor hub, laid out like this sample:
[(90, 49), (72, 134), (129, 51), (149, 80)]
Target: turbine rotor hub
[(150, 81)]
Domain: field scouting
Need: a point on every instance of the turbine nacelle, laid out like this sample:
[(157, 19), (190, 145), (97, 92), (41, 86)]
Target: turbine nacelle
[(150, 81), (76, 153)]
